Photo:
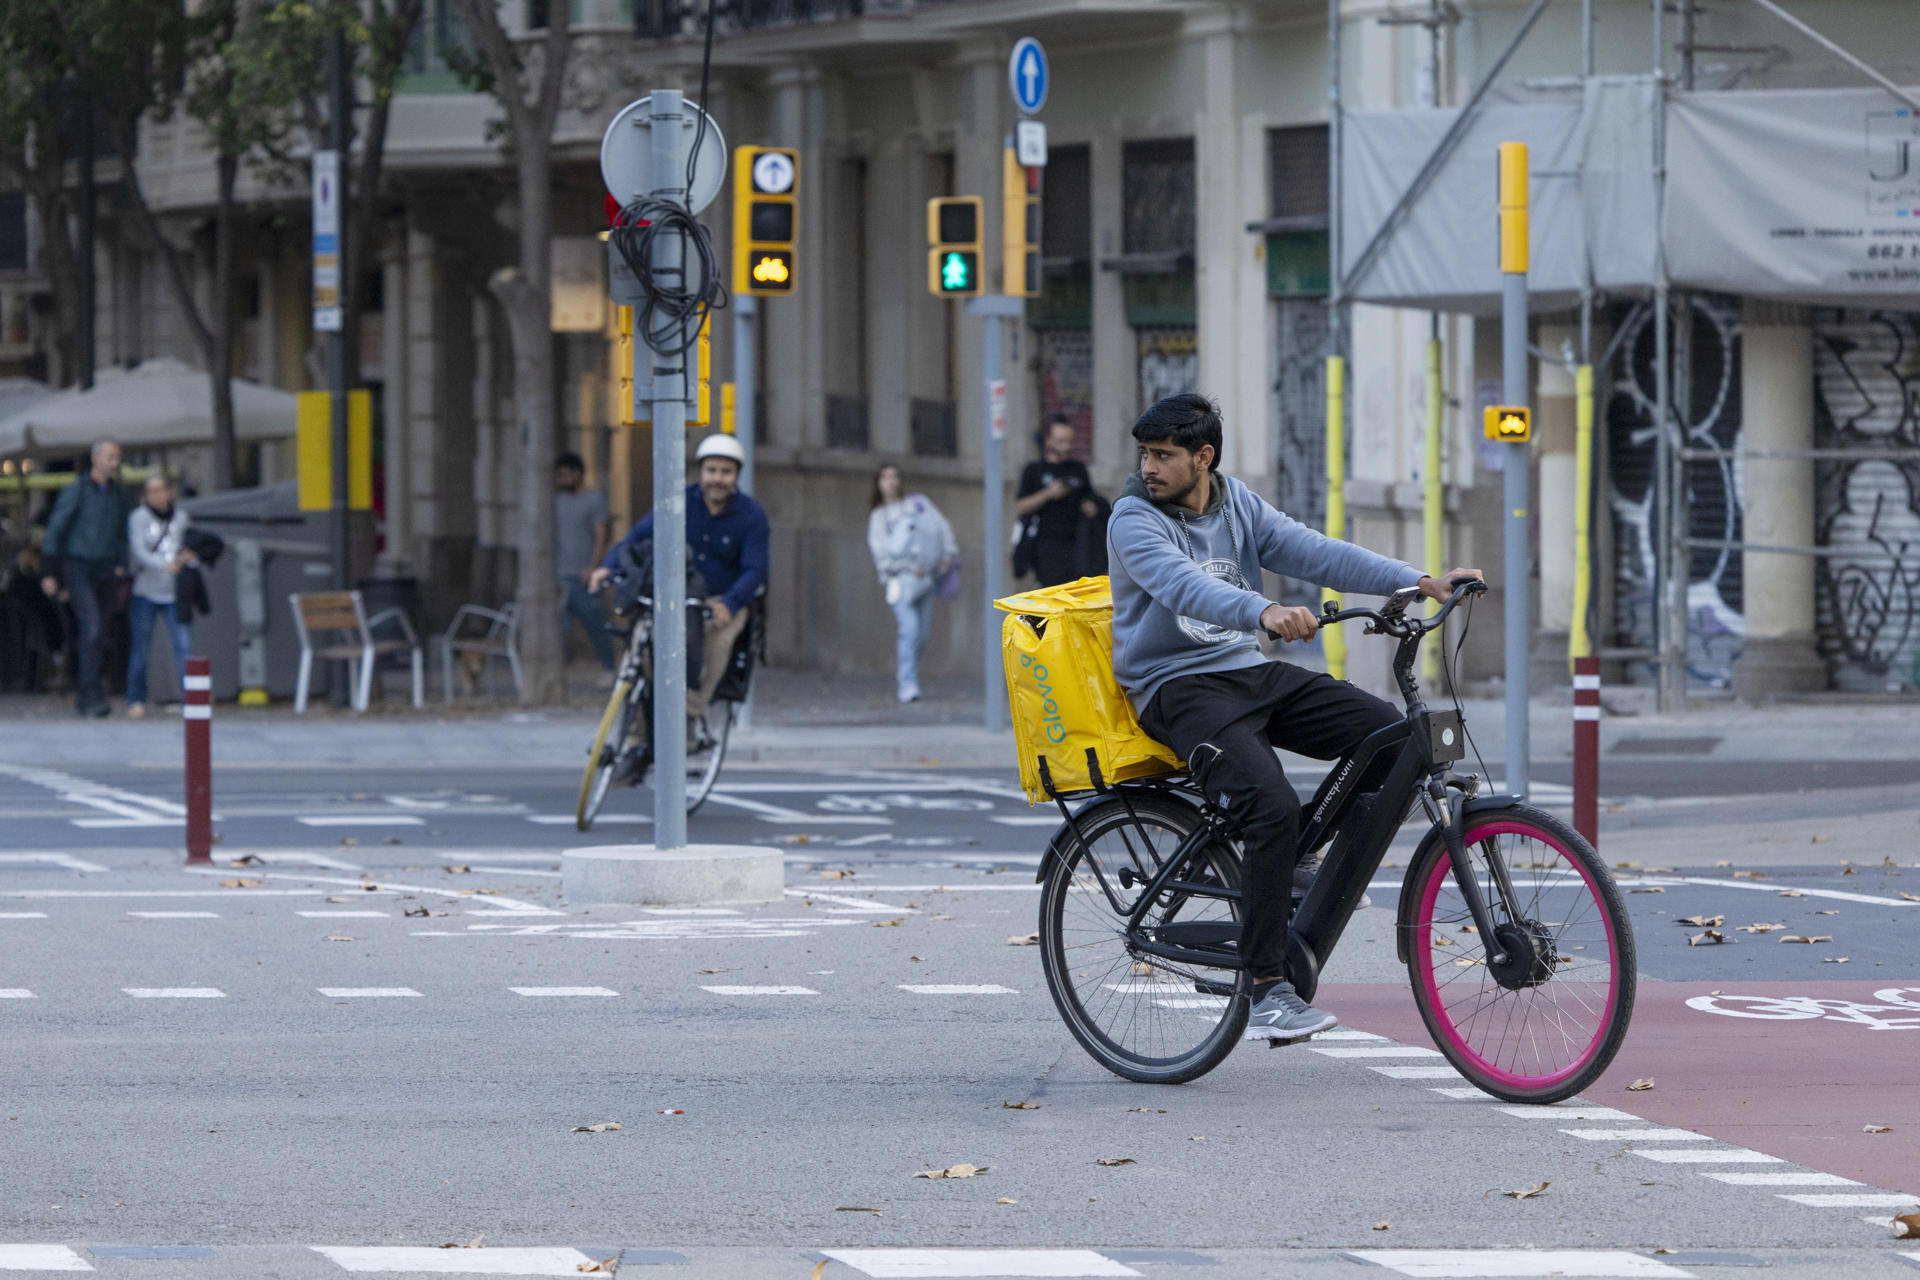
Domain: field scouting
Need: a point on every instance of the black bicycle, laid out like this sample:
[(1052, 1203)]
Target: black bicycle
[(1512, 930)]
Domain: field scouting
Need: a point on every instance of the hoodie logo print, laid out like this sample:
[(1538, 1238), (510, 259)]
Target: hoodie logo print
[(1206, 632)]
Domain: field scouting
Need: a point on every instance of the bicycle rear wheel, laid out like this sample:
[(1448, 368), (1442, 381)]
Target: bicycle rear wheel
[(1543, 1024), (603, 757), (706, 749), (1142, 1017)]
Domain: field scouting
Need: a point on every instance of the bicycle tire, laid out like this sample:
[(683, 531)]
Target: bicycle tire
[(1099, 823), (1566, 1057), (601, 760), (701, 777)]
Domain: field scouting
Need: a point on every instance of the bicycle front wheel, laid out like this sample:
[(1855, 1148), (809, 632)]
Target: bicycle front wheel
[(1140, 1016), (603, 757), (1538, 1012), (706, 748)]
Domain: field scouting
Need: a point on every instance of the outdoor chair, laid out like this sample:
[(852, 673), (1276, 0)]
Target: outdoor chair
[(486, 633), (334, 624)]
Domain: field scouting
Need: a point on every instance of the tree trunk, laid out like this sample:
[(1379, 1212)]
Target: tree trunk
[(220, 358), (61, 259), (526, 296)]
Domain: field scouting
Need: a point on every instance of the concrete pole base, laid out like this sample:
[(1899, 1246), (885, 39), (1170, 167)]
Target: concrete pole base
[(639, 874), (1773, 665)]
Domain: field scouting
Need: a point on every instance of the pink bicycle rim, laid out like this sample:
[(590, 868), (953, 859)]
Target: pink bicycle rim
[(1423, 940)]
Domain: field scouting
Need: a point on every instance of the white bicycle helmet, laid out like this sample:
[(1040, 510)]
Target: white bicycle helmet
[(721, 445)]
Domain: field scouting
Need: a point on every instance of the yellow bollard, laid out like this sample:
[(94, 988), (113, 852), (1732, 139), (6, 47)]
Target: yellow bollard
[(1335, 642)]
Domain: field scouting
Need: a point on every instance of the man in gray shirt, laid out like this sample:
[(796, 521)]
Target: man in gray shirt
[(581, 528)]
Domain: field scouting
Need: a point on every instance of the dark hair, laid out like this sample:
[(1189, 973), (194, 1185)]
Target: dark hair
[(1188, 420), (884, 467), (573, 460)]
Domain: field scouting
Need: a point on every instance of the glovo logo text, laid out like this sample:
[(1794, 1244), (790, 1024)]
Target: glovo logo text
[(1049, 709)]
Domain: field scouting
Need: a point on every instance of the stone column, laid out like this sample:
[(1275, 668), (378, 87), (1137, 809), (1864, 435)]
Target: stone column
[(1776, 397), (1553, 451)]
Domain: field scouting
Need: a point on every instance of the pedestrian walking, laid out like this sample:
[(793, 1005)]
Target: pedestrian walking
[(582, 527), (86, 556), (156, 543), (1055, 497), (916, 556)]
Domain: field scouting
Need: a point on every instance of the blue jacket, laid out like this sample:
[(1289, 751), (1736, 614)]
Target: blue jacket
[(730, 549), (88, 524), (1187, 592)]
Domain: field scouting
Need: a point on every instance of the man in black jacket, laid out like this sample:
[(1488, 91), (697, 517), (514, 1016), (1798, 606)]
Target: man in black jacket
[(1055, 495), (86, 552)]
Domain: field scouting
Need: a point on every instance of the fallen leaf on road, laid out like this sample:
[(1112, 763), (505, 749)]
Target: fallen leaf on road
[(1383, 1226), (1651, 888), (1818, 840), (1760, 927), (371, 888), (918, 959), (1906, 1226), (1836, 912), (953, 1171), (1529, 1193), (1114, 1160), (1910, 897), (854, 1208), (606, 1266), (1641, 1085), (608, 1127), (1468, 964), (1711, 938), (1442, 941), (1795, 937), (471, 1244), (1750, 875), (393, 840), (348, 840), (1876, 1128), (1701, 921), (343, 899), (1616, 808), (338, 937), (416, 911), (1152, 1111), (1791, 893), (241, 884), (459, 870), (818, 1267), (1021, 1106), (886, 924), (1196, 1138), (795, 839), (836, 875), (716, 971), (1023, 939), (1626, 866), (1723, 863), (1835, 959), (1006, 1200), (943, 917), (244, 860), (487, 893)]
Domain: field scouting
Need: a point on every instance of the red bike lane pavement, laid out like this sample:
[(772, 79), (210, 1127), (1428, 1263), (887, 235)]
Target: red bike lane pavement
[(1804, 1090)]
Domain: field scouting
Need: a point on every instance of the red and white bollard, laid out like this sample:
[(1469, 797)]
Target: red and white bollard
[(198, 714), (1586, 749)]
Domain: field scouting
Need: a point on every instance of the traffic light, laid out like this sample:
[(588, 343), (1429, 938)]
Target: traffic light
[(623, 366), (764, 182), (1508, 423), (633, 404), (954, 257), (1019, 227)]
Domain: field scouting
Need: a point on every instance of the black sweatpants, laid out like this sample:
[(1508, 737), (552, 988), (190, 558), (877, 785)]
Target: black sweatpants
[(1246, 714)]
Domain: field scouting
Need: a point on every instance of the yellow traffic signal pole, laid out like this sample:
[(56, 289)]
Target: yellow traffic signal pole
[(1333, 638), (1517, 581), (1434, 496)]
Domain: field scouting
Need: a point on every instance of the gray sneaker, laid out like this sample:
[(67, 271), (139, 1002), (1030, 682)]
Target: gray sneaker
[(1283, 1016)]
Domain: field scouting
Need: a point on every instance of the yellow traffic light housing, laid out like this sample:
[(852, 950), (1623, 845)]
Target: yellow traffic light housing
[(1508, 423), (1019, 227), (626, 411), (764, 213), (954, 246)]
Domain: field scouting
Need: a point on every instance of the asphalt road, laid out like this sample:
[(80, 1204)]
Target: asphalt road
[(261, 1079)]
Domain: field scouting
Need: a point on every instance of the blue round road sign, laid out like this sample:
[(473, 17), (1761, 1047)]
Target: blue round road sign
[(1027, 75)]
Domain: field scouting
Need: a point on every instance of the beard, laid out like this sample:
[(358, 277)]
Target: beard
[(1176, 492)]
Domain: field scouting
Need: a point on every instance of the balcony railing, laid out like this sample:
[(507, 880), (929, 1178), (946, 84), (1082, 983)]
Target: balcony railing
[(662, 19)]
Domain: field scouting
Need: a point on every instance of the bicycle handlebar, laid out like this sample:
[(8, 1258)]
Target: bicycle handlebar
[(1394, 614)]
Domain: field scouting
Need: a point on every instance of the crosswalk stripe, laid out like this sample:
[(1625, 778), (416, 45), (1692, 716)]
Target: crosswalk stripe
[(1711, 1155), (915, 1264), (365, 993), (563, 991), (1473, 1264), (491, 1261), (1803, 1179), (175, 993), (761, 991), (41, 1257), (1374, 1051), (948, 989), (16, 993), (1849, 1201)]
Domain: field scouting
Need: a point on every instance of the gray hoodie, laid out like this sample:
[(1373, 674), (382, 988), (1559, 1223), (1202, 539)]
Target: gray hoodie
[(1186, 588)]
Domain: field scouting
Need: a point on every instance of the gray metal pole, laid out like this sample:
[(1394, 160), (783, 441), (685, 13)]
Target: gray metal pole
[(670, 141), (994, 482), (83, 269), (1516, 575), (339, 122), (744, 421)]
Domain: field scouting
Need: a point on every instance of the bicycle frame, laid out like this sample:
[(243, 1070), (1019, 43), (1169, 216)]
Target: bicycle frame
[(1420, 772)]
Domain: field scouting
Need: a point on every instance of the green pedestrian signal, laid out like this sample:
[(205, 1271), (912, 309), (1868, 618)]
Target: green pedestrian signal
[(954, 249), (956, 272)]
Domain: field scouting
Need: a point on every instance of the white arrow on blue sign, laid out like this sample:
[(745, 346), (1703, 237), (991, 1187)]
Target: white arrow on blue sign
[(1027, 75)]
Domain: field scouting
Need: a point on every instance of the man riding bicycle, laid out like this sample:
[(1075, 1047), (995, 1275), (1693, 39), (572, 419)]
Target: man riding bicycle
[(726, 544), (1186, 545)]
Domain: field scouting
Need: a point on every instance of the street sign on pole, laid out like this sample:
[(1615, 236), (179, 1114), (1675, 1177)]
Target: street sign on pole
[(1027, 75), (997, 408), (626, 155), (1030, 142), (326, 241)]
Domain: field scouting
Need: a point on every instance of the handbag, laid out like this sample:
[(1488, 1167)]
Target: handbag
[(123, 593), (949, 584)]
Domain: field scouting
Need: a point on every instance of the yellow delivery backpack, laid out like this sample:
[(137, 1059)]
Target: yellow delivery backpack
[(1075, 729)]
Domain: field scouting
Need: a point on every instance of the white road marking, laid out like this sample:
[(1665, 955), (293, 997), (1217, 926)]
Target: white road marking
[(930, 1264), (856, 904), (1474, 1264), (344, 915), (66, 860), (518, 871), (1349, 1033), (176, 915), (1706, 1155), (690, 911), (1150, 988), (175, 993), (1561, 1111), (1770, 886), (1466, 1094), (498, 905), (1029, 820), (778, 813), (114, 824), (1418, 1073), (1842, 1200), (490, 1261), (16, 993), (1197, 1002), (604, 820), (295, 858), (23, 915), (41, 1257), (1016, 887), (950, 989), (360, 820), (562, 991), (1375, 1051), (761, 991), (129, 808), (366, 993), (166, 893), (1638, 1135), (1808, 1179)]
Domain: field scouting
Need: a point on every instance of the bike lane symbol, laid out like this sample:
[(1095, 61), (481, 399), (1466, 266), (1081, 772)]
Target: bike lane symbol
[(1904, 1002)]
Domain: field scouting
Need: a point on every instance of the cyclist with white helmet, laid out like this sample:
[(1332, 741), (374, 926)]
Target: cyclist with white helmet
[(726, 543)]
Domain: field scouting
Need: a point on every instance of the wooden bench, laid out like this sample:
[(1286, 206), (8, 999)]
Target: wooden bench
[(489, 633), (334, 624)]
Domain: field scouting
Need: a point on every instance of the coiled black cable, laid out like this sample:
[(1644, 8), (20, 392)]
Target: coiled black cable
[(677, 301)]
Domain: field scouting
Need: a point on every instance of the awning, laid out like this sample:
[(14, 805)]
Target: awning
[(161, 402)]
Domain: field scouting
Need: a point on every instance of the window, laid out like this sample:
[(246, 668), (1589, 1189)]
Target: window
[(1297, 238), (13, 231), (1157, 196)]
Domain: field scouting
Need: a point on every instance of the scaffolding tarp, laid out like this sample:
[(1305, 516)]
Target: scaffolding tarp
[(1803, 195)]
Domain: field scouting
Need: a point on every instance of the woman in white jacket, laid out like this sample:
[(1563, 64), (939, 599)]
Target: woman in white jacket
[(154, 532), (913, 549)]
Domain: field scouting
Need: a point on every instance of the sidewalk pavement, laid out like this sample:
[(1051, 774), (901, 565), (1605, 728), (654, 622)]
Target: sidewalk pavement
[(804, 720)]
